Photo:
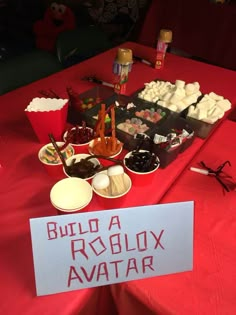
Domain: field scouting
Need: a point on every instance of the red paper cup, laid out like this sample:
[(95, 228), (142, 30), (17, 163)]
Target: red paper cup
[(45, 122), (54, 170), (139, 178), (64, 212), (113, 202)]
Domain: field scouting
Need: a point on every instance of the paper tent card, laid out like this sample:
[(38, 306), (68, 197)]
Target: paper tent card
[(92, 249)]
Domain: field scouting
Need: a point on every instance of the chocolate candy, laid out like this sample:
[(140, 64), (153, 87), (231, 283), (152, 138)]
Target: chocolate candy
[(83, 169)]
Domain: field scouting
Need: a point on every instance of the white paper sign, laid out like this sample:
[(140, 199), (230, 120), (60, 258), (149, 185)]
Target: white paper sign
[(99, 248)]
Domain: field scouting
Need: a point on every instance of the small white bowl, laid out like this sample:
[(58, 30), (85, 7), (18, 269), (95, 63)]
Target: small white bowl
[(77, 158), (91, 143), (71, 194)]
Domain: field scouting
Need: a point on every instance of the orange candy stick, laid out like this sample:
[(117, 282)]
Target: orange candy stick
[(113, 130)]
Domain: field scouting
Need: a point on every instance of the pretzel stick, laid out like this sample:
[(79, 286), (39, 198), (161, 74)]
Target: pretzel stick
[(102, 128), (113, 130)]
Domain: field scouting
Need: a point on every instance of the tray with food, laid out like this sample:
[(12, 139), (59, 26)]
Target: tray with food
[(205, 115), (80, 103), (172, 139), (131, 117), (175, 97), (91, 115)]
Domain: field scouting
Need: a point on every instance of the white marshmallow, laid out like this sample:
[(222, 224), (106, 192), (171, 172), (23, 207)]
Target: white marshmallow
[(173, 107), (201, 114), (224, 104), (189, 89), (180, 105), (180, 83), (101, 181), (215, 96), (115, 170), (197, 86), (167, 96)]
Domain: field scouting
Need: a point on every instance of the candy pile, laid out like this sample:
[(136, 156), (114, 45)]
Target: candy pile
[(50, 156), (133, 126), (173, 139), (151, 114), (81, 104), (175, 97), (79, 134), (142, 161), (106, 146), (107, 118), (126, 106), (210, 108), (82, 169)]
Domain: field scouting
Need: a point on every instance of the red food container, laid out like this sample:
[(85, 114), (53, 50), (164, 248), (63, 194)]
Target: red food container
[(45, 118)]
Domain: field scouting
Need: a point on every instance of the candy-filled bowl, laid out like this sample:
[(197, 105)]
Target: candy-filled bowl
[(50, 159), (141, 166), (71, 195), (80, 166), (106, 148), (79, 137), (112, 186)]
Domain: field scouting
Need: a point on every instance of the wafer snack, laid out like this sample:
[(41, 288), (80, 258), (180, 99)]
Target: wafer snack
[(117, 183)]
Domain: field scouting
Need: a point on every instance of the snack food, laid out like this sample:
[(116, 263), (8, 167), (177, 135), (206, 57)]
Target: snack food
[(101, 183), (81, 104), (133, 126), (50, 156), (116, 176), (79, 134), (141, 161), (80, 166), (175, 97), (151, 114), (210, 108), (106, 146)]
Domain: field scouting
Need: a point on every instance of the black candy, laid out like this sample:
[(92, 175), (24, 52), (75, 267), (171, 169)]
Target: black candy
[(141, 162)]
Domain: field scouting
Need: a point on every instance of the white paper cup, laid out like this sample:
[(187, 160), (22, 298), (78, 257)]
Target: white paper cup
[(71, 195)]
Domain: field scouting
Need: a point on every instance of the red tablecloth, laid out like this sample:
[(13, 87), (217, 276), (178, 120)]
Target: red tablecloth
[(210, 288), (25, 186)]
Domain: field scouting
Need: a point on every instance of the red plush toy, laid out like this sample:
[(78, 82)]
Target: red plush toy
[(57, 18)]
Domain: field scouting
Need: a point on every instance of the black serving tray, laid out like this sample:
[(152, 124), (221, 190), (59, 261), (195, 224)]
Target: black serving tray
[(121, 114), (131, 141), (171, 112), (89, 115), (202, 129), (167, 157), (76, 117)]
